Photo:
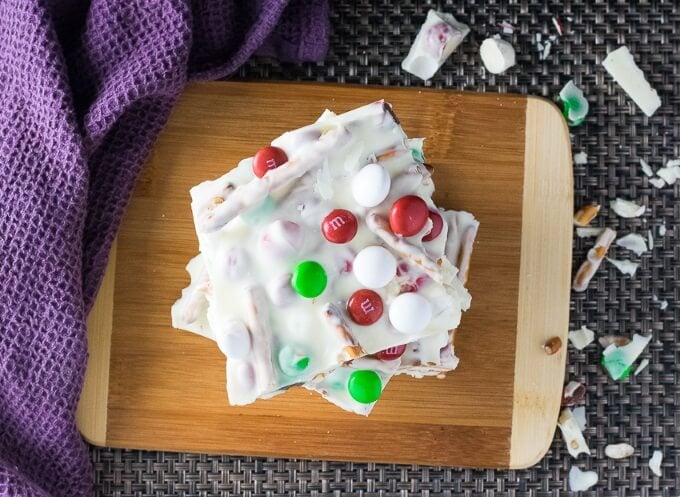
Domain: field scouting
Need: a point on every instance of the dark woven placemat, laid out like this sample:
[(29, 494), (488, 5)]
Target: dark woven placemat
[(369, 41)]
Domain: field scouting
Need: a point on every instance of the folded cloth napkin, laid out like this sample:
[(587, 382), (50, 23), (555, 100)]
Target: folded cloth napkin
[(85, 88)]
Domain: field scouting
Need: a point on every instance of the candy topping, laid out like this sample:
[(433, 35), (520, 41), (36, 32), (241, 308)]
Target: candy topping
[(365, 307), (392, 353), (268, 158), (408, 215), (410, 313), (371, 185), (437, 225), (339, 226), (374, 267), (292, 362), (309, 279), (364, 386), (233, 339)]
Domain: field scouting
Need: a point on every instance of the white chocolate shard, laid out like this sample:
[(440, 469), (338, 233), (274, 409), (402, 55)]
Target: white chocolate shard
[(588, 232), (580, 481), (657, 182), (497, 55), (662, 230), (619, 451), (582, 337), (650, 240), (669, 174), (633, 242), (438, 37), (655, 462), (646, 168), (625, 266), (580, 158), (641, 367), (593, 260), (571, 433), (622, 67), (626, 208)]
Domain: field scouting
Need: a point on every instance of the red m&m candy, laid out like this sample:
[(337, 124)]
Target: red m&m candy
[(268, 158), (339, 226), (408, 215), (392, 353), (365, 307), (437, 225)]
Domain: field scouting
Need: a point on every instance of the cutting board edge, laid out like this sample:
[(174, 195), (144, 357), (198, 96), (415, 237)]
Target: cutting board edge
[(92, 411), (548, 180)]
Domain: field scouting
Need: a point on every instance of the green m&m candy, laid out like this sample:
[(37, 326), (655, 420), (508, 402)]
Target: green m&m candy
[(292, 362), (309, 279), (364, 386)]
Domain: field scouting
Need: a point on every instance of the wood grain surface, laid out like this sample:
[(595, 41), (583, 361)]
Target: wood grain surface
[(504, 158)]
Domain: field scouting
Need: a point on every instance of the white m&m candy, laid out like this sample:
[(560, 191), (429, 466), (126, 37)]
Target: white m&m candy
[(233, 339), (410, 313), (371, 185), (374, 267)]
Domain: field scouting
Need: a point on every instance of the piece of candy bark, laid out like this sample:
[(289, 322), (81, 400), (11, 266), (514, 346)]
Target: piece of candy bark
[(357, 385), (277, 269), (438, 37)]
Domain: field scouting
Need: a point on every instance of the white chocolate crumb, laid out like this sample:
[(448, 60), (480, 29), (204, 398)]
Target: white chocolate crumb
[(657, 182), (646, 168), (626, 208), (558, 26), (650, 239), (581, 338), (662, 230), (663, 305), (669, 173), (497, 55), (546, 50), (507, 27), (643, 364), (655, 462), (588, 232), (580, 158), (619, 451), (633, 242), (625, 266), (581, 480)]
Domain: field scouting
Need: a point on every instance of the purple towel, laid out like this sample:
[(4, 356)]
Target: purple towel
[(85, 88)]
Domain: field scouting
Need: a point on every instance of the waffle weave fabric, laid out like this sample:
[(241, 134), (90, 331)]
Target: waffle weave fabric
[(369, 40), (85, 87)]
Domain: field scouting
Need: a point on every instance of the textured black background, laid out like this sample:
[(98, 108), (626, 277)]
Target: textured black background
[(370, 38)]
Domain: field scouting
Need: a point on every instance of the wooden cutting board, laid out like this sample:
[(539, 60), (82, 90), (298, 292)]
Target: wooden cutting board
[(505, 158)]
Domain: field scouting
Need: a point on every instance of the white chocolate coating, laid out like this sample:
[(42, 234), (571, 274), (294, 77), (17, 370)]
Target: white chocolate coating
[(251, 246)]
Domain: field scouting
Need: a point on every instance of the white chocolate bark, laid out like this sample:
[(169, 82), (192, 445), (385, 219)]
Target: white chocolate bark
[(438, 37), (253, 232)]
